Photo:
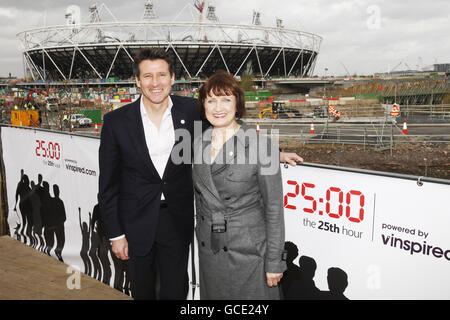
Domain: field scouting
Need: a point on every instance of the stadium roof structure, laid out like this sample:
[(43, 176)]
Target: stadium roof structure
[(105, 48)]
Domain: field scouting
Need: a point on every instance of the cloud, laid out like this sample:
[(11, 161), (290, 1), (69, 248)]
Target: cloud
[(365, 35), (6, 13)]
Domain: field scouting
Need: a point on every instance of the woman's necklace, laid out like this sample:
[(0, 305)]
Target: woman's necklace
[(219, 137)]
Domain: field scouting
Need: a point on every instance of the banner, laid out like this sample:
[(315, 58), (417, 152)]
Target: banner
[(349, 235), (52, 184), (365, 236), (52, 187)]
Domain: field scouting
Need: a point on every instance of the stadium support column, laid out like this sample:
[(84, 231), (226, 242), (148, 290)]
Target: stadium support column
[(35, 67), (313, 65), (308, 65), (273, 62), (292, 68), (114, 60), (87, 60), (243, 62), (57, 68), (181, 61), (28, 67), (206, 60), (43, 65), (223, 59), (259, 62), (73, 60)]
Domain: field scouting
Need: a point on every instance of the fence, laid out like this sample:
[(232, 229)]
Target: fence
[(348, 225)]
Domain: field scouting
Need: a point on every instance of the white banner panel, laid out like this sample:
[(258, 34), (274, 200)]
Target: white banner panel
[(52, 187), (352, 235), (385, 237), (52, 184)]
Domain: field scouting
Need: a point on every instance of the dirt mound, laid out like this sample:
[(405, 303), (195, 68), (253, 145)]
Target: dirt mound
[(429, 160)]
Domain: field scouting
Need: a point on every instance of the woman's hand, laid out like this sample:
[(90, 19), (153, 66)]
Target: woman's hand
[(273, 278), (292, 158)]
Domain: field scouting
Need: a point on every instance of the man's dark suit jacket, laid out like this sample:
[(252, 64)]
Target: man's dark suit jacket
[(130, 187)]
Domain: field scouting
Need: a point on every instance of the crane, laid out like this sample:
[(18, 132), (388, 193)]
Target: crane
[(346, 70), (199, 6)]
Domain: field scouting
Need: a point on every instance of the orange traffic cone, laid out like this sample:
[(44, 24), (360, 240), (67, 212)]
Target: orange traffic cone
[(257, 127), (96, 128), (405, 128), (312, 128), (73, 128)]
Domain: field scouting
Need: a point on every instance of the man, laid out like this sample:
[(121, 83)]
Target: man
[(146, 200)]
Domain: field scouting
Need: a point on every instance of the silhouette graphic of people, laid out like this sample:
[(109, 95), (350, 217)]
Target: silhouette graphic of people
[(104, 245), (97, 247), (36, 212), (39, 190), (17, 233), (53, 218), (291, 276), (337, 283), (307, 287), (17, 229), (46, 216), (103, 250), (26, 212), (298, 281), (93, 250), (85, 236), (121, 277)]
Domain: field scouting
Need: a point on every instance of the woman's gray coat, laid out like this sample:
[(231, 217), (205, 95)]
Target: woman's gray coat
[(242, 193)]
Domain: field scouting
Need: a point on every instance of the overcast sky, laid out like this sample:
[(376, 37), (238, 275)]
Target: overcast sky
[(365, 36)]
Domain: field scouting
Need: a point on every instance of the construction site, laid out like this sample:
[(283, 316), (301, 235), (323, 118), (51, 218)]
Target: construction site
[(345, 121), (365, 135)]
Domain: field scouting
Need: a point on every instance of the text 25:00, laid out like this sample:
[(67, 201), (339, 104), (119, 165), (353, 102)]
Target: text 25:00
[(329, 191), (52, 151)]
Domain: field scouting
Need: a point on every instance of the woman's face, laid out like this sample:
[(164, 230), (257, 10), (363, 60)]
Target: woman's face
[(220, 110)]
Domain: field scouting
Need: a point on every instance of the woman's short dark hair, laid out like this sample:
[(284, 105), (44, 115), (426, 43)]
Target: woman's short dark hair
[(220, 84), (152, 54)]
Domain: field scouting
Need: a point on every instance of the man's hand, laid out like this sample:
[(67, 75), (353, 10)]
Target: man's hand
[(291, 158), (120, 248), (273, 278)]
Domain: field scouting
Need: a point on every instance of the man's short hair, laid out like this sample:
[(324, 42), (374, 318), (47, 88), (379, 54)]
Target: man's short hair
[(152, 54)]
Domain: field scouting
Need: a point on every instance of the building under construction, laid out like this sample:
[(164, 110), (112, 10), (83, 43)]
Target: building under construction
[(102, 48)]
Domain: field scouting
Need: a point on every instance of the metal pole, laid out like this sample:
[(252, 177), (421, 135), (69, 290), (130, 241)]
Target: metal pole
[(392, 137), (365, 134)]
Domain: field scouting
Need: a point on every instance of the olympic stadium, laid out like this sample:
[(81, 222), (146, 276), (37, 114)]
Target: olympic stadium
[(103, 48)]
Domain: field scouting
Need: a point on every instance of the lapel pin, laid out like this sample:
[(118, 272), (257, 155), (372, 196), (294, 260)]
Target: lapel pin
[(182, 121)]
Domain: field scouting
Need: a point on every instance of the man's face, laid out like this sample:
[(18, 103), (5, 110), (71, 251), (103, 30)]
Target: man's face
[(155, 80)]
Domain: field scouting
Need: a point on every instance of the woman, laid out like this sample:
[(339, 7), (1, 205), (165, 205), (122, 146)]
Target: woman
[(239, 207)]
